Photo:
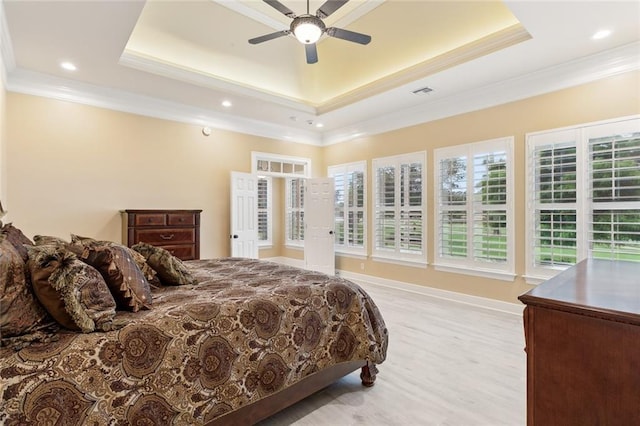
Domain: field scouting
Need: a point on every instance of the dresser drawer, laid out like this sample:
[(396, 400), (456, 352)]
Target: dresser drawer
[(150, 219), (181, 219), (182, 252), (166, 236)]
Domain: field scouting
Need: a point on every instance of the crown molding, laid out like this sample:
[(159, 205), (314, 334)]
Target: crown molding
[(569, 74), (7, 60), (250, 12), (606, 64), (494, 42), (486, 45), (156, 66), (38, 84)]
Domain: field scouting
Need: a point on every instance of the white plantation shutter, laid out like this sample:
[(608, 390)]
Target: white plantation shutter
[(410, 238), (264, 211), (294, 230), (555, 203), (583, 195), (399, 207), (340, 207), (350, 218), (490, 210), (385, 227), (614, 187), (474, 207), (452, 211)]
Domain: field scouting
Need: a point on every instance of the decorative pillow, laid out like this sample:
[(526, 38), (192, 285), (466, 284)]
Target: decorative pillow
[(17, 239), (42, 240), (20, 311), (127, 284), (170, 269), (74, 293), (148, 272)]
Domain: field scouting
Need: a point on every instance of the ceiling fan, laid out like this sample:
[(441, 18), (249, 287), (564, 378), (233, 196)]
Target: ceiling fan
[(308, 28)]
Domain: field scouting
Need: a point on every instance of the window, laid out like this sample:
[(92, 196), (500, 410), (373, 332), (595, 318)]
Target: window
[(584, 195), (399, 208), (264, 164), (295, 211), (474, 208), (294, 170), (264, 211), (350, 201)]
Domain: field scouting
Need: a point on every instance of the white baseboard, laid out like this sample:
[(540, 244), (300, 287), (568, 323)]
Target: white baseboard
[(483, 302)]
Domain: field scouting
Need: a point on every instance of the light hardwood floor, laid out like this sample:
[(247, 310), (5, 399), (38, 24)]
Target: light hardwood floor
[(448, 364)]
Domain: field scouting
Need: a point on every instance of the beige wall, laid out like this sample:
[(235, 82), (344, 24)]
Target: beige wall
[(609, 98), (73, 167), (3, 128)]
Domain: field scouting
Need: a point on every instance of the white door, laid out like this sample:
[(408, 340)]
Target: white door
[(244, 215), (319, 204)]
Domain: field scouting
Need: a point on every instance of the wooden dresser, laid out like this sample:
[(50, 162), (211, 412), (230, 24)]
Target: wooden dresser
[(582, 332), (177, 231)]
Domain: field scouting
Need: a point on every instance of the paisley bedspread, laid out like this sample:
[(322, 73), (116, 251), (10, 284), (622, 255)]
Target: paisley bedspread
[(249, 329)]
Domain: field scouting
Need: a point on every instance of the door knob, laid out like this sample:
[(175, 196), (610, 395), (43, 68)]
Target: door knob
[(330, 232)]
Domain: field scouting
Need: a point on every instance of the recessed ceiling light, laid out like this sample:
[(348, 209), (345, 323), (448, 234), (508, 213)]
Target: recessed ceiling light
[(68, 66), (319, 125), (226, 104), (601, 34)]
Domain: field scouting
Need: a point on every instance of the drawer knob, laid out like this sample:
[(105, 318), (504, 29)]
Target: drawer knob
[(167, 237)]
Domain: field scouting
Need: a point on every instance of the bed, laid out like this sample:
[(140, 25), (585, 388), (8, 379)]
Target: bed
[(246, 340)]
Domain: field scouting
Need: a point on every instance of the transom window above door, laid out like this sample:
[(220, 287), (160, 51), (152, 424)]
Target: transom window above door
[(265, 164)]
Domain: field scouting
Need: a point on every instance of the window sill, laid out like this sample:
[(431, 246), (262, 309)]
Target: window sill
[(405, 262), (486, 273), (534, 280), (351, 254), (539, 279), (539, 275), (265, 246), (294, 247)]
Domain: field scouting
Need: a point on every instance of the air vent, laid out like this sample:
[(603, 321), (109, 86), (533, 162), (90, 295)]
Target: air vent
[(422, 91)]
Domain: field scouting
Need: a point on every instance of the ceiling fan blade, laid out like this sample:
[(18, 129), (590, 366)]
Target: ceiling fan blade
[(329, 7), (268, 37), (280, 8), (312, 53), (348, 35)]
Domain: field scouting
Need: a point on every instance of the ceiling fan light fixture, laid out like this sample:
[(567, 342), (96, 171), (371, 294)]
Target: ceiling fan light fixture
[(307, 29)]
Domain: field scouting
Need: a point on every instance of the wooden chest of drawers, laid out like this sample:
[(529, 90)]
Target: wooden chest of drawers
[(177, 231), (582, 331)]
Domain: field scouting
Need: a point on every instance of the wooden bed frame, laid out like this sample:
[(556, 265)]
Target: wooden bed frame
[(272, 404)]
